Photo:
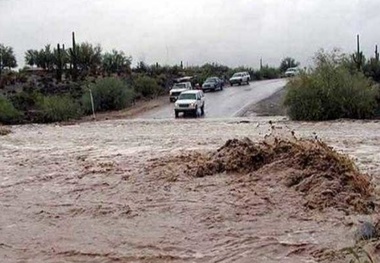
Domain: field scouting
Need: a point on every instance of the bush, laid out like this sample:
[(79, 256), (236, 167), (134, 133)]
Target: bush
[(266, 72), (372, 69), (331, 91), (147, 87), (109, 94), (24, 101), (56, 108), (8, 113)]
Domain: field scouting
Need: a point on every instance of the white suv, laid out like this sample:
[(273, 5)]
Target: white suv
[(190, 101), (240, 78), (178, 88), (291, 72)]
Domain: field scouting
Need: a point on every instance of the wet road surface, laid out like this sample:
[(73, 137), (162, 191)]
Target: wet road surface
[(231, 102)]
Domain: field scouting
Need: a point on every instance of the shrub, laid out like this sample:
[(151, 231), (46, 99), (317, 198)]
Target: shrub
[(108, 94), (266, 72), (8, 113), (24, 101), (372, 69), (147, 87), (331, 91), (56, 108), (269, 72)]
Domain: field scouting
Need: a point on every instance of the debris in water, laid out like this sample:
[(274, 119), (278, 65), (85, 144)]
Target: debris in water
[(4, 131), (366, 231)]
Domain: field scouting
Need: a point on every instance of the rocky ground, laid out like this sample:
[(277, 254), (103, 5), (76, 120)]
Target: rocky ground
[(131, 191)]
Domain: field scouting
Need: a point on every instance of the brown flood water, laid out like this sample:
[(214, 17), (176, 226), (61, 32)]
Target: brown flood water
[(88, 193)]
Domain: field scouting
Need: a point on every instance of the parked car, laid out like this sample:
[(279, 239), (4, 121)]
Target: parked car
[(178, 88), (213, 83), (190, 101), (291, 72), (240, 78)]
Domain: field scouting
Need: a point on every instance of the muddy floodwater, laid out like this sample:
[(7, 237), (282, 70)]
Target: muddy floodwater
[(102, 192)]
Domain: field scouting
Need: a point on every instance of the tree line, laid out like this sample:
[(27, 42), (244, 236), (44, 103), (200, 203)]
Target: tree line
[(78, 60)]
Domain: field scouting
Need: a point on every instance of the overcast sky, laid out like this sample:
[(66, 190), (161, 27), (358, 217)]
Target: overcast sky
[(232, 32)]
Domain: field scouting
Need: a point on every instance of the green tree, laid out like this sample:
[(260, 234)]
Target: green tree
[(89, 57), (142, 67), (116, 62), (31, 57), (47, 57), (43, 58), (7, 58), (288, 62)]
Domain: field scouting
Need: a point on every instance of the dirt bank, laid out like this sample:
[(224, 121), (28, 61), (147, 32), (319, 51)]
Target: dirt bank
[(271, 106), (128, 113), (98, 192)]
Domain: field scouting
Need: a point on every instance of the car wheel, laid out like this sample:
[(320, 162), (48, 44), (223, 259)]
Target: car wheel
[(240, 83), (221, 87), (195, 112), (176, 114)]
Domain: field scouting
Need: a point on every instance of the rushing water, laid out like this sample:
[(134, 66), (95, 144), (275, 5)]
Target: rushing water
[(83, 193)]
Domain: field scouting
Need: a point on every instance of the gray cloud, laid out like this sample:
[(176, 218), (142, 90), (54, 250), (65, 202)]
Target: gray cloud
[(233, 32)]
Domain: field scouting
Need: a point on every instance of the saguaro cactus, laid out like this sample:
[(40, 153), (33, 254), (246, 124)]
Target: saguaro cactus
[(358, 57), (59, 63), (74, 58), (376, 54)]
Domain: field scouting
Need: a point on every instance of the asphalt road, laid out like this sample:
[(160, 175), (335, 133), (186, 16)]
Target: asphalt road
[(231, 102)]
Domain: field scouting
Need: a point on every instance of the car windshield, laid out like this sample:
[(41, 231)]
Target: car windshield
[(211, 80), (179, 86), (187, 96), (237, 75)]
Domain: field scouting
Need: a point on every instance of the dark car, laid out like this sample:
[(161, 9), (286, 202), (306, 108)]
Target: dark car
[(213, 83)]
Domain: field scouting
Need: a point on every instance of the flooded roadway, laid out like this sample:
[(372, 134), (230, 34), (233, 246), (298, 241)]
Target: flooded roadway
[(84, 193)]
